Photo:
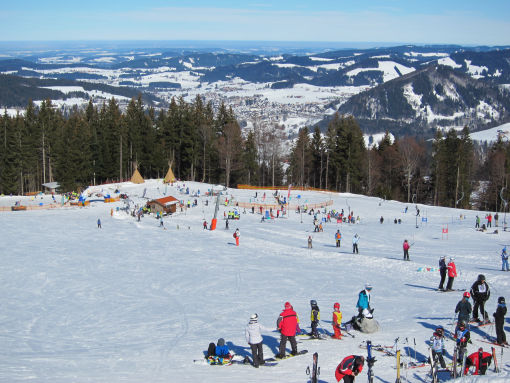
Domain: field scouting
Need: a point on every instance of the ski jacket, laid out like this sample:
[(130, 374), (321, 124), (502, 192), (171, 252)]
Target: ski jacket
[(504, 255), (462, 337), (442, 265), (406, 245), (222, 350), (253, 331), (478, 360), (363, 300), (437, 344), (452, 270), (464, 309), (355, 240), (480, 291), (288, 322), (338, 236), (350, 365), (500, 313), (315, 314), (337, 318)]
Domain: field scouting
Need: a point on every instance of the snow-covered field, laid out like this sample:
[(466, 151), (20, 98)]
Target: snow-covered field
[(132, 302)]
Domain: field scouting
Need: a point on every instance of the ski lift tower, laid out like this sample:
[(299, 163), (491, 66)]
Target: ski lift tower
[(215, 219), (505, 203)]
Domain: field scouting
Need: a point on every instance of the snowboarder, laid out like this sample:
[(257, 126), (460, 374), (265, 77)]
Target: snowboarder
[(480, 293), (355, 241), (338, 238), (406, 247), (437, 346), (287, 325), (349, 368), (99, 223), (337, 321), (309, 241), (504, 260), (452, 273), (442, 270), (480, 360), (499, 317), (364, 300), (315, 317), (254, 339), (464, 308), (236, 235)]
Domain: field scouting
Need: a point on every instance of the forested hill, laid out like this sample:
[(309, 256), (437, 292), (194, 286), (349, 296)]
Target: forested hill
[(16, 91), (419, 102)]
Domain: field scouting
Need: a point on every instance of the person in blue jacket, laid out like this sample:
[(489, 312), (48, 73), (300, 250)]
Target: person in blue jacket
[(364, 300)]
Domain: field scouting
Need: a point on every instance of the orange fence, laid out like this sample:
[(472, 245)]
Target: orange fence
[(256, 205), (37, 207)]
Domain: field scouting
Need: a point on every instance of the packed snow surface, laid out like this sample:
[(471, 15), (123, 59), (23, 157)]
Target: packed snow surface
[(135, 302)]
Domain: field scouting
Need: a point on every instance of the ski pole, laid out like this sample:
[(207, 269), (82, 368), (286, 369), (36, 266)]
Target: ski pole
[(414, 339)]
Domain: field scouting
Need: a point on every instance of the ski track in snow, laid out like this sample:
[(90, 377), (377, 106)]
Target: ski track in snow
[(132, 302)]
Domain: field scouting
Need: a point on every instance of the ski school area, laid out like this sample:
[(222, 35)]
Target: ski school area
[(127, 291)]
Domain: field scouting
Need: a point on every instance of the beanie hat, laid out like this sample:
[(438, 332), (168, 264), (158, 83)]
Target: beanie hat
[(368, 286), (501, 300), (288, 305), (254, 318), (221, 342)]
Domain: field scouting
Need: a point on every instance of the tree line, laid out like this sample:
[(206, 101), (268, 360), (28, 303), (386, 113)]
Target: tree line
[(102, 144)]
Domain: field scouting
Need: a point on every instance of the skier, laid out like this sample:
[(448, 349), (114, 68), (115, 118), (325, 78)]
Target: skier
[(381, 219), (480, 360), (406, 247), (464, 308), (437, 345), (489, 220), (462, 336), (309, 241), (315, 317), (337, 321), (205, 225), (477, 224), (236, 236), (452, 273), (499, 317), (226, 224), (254, 339), (496, 219), (349, 368), (504, 260), (364, 300), (480, 293), (98, 223), (442, 271), (338, 238), (287, 324), (355, 241)]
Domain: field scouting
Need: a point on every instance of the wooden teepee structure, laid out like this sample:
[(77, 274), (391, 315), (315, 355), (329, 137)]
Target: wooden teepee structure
[(137, 178), (169, 178)]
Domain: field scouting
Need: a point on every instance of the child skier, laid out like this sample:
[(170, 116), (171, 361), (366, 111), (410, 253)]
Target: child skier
[(499, 317), (437, 345), (309, 241), (464, 308), (355, 241), (452, 274), (504, 260), (338, 238), (462, 336), (315, 316), (337, 321), (236, 236)]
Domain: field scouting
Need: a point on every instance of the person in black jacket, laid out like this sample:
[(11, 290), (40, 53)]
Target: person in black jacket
[(480, 293), (442, 269), (499, 317)]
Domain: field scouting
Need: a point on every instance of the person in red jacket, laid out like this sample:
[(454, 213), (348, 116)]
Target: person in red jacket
[(452, 273), (287, 325), (349, 368), (406, 247), (337, 321), (480, 360)]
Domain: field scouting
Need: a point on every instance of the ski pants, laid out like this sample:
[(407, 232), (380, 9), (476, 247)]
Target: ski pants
[(443, 278), (355, 248), (439, 357), (406, 255), (314, 328), (237, 241), (479, 305), (283, 344), (500, 332), (504, 265), (257, 354), (337, 243), (347, 378), (449, 285), (338, 332)]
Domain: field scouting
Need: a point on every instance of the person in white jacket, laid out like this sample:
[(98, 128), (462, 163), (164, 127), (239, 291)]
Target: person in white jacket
[(254, 339), (355, 241)]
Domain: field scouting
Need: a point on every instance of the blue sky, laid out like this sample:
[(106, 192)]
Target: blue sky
[(399, 21)]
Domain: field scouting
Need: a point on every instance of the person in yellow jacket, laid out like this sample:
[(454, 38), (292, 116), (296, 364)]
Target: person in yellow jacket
[(315, 317), (337, 321)]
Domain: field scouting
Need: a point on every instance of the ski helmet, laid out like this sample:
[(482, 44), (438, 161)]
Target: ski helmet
[(288, 306), (501, 300), (368, 286), (254, 317), (440, 331), (467, 295), (313, 302), (481, 277), (336, 306), (462, 325)]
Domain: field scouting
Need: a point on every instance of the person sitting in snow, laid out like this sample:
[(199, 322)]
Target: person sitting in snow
[(219, 353)]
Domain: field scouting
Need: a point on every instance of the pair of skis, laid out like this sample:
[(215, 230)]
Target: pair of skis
[(315, 371)]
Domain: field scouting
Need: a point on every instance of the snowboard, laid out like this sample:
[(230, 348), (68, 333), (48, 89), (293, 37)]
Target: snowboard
[(288, 356)]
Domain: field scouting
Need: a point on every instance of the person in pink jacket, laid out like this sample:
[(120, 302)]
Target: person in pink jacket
[(452, 273), (406, 247)]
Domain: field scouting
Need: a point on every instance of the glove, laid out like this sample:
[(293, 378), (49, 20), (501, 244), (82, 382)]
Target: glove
[(370, 361)]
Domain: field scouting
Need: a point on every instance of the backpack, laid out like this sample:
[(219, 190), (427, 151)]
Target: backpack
[(211, 350)]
